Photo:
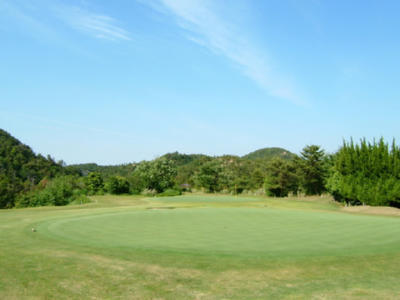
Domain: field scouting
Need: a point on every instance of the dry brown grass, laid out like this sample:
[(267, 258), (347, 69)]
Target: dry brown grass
[(373, 210)]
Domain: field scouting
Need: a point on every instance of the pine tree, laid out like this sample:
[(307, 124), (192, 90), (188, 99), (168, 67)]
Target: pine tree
[(313, 170)]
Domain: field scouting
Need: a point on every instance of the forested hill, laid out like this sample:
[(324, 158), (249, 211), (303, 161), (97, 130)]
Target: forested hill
[(21, 169), (181, 159), (126, 169), (188, 162), (270, 153), (106, 171)]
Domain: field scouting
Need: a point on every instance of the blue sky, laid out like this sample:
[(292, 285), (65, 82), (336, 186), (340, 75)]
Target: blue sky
[(122, 81)]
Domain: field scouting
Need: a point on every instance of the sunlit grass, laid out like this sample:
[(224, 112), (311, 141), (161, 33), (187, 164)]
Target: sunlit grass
[(198, 247)]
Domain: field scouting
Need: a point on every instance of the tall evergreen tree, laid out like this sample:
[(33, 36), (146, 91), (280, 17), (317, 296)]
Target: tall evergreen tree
[(313, 170)]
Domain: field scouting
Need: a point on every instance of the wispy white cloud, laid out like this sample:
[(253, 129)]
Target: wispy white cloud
[(97, 25), (42, 18), (205, 26)]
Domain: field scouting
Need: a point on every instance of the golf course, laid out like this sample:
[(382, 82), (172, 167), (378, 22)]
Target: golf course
[(200, 247)]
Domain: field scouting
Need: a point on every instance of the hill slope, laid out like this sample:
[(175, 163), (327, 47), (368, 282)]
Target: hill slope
[(181, 160), (270, 153), (21, 168), (106, 171)]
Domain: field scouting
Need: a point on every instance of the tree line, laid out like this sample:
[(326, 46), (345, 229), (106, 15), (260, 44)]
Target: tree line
[(366, 173), (363, 173)]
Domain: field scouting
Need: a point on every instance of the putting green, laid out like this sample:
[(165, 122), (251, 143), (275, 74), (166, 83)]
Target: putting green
[(262, 232)]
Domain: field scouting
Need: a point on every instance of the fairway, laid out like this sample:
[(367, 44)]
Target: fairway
[(199, 247), (265, 232)]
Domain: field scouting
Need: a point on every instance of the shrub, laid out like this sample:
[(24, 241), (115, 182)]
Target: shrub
[(81, 199), (117, 185), (61, 190), (170, 193), (157, 175), (149, 192), (94, 183)]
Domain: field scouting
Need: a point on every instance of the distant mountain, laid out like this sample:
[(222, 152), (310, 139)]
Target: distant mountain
[(270, 153)]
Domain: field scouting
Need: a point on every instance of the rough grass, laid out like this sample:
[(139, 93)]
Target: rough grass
[(373, 210), (207, 247)]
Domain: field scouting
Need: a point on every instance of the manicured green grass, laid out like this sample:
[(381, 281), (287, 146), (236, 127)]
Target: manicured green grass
[(198, 247)]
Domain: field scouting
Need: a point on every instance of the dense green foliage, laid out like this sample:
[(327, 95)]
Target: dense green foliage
[(270, 153), (61, 190), (124, 170), (356, 174), (367, 173), (281, 178), (229, 174), (313, 168), (21, 169), (180, 159), (94, 183), (117, 185), (158, 174), (185, 172), (208, 177)]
